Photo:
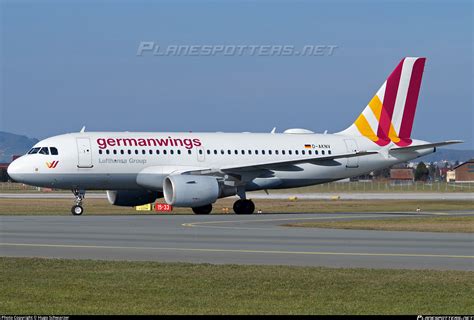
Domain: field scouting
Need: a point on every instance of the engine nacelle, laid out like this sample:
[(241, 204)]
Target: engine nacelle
[(190, 190), (131, 198)]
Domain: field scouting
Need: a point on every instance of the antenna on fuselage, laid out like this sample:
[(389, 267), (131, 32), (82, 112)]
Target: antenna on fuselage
[(273, 130), (83, 129)]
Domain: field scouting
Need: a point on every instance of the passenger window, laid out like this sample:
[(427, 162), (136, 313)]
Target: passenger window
[(283, 152), (269, 152), (107, 151), (53, 151), (129, 151), (276, 152), (200, 151), (322, 151), (296, 152), (157, 151), (250, 151), (189, 151), (310, 152), (150, 151), (263, 152), (164, 151), (315, 151), (207, 151), (136, 151), (44, 150), (122, 152), (222, 151), (289, 152), (171, 151), (302, 152), (256, 151), (329, 151), (179, 151), (115, 151), (215, 151), (229, 152), (100, 151), (236, 151), (242, 151), (143, 151)]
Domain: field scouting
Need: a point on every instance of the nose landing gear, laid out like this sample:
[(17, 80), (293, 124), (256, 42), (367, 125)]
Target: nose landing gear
[(77, 209)]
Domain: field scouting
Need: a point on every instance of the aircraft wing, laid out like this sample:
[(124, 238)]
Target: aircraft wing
[(426, 146), (315, 160)]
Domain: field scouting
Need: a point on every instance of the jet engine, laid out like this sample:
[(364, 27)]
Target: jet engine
[(131, 198), (190, 190)]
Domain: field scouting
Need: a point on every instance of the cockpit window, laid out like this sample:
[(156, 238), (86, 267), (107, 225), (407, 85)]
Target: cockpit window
[(33, 151), (54, 151), (44, 150)]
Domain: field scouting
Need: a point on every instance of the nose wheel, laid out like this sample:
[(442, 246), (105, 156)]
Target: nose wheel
[(77, 209)]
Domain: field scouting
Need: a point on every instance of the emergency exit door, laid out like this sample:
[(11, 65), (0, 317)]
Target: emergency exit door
[(84, 153)]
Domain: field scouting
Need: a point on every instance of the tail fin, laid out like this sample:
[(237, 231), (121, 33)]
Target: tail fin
[(389, 115)]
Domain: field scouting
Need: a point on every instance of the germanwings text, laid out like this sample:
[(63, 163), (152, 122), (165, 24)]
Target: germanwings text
[(148, 142)]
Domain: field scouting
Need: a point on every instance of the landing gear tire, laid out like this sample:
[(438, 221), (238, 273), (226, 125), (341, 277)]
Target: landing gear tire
[(244, 206), (77, 210), (203, 210)]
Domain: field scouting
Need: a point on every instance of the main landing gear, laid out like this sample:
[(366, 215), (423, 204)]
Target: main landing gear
[(77, 209), (244, 206), (241, 206), (203, 210)]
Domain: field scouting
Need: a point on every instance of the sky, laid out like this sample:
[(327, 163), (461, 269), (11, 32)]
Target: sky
[(70, 64)]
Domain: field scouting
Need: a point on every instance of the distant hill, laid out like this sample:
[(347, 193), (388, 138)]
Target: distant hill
[(443, 154), (14, 144)]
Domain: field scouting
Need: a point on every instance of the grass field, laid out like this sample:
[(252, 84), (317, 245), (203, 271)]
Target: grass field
[(102, 207), (429, 224), (47, 286), (334, 187)]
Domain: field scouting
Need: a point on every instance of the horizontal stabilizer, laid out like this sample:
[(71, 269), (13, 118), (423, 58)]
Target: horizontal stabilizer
[(425, 146)]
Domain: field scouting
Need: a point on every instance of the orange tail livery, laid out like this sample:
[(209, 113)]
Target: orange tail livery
[(389, 115)]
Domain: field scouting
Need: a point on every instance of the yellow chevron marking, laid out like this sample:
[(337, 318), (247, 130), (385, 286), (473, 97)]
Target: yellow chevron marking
[(364, 128), (392, 134), (376, 105)]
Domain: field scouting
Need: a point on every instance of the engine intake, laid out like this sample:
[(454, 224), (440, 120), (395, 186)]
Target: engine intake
[(190, 190), (131, 198)]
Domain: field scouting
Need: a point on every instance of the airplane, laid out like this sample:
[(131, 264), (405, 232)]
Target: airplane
[(195, 169)]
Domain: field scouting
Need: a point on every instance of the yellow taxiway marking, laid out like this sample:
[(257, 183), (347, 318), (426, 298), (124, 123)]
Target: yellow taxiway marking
[(312, 253), (197, 224), (207, 224)]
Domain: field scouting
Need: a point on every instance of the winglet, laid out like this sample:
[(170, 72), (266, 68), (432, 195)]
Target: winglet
[(83, 129)]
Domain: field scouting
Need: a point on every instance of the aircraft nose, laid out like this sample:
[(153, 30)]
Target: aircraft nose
[(16, 169)]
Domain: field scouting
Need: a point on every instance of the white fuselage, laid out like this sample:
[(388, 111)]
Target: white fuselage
[(123, 160)]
